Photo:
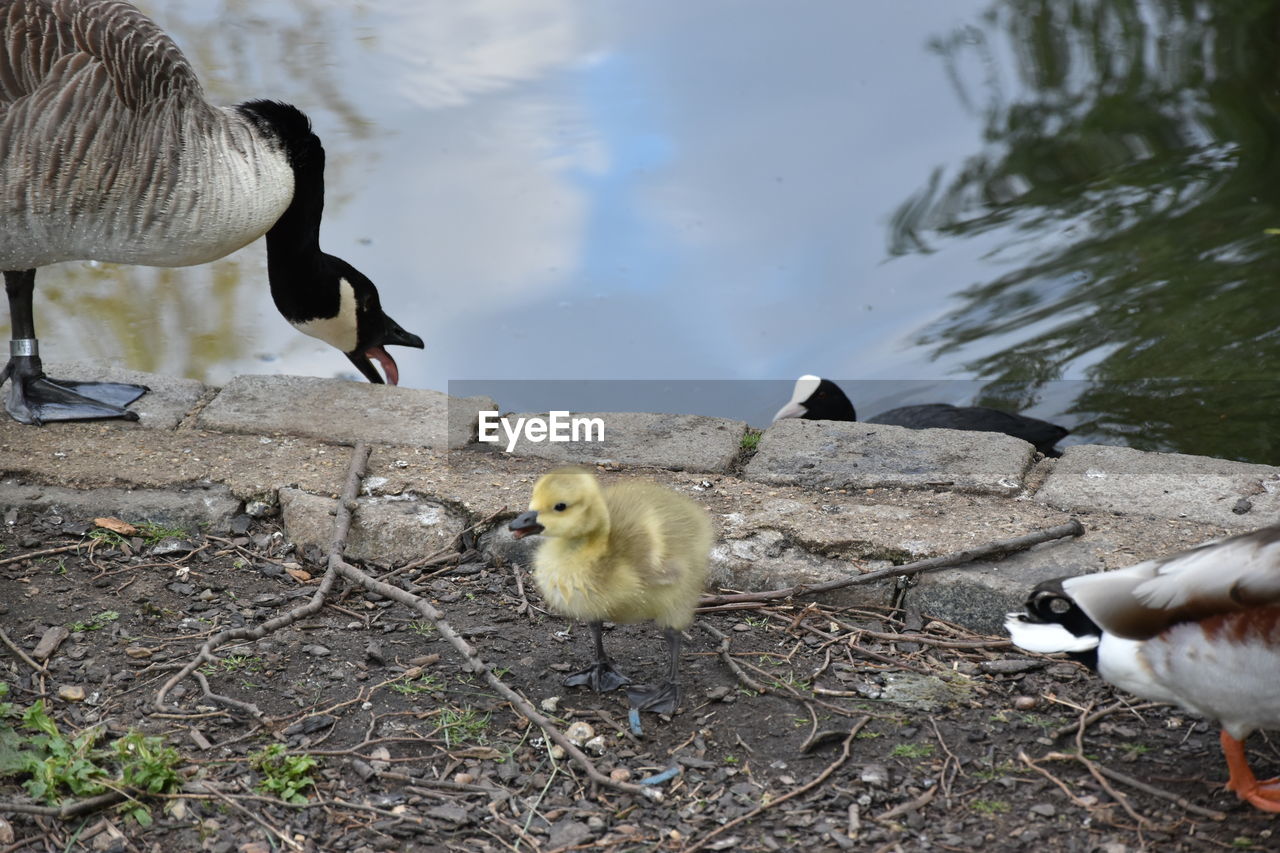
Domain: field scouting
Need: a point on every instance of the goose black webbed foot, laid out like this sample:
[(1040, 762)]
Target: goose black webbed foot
[(600, 677), (663, 698), (33, 398)]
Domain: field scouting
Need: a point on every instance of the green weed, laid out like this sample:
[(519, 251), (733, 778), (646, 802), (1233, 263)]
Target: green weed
[(153, 533), (463, 726), (57, 766), (989, 807), (96, 622), (421, 684), (912, 750), (286, 776)]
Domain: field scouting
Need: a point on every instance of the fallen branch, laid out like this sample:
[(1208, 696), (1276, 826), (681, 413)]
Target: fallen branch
[(792, 794), (23, 656), (206, 655), (1090, 719), (992, 549), (1182, 802), (45, 553), (67, 810)]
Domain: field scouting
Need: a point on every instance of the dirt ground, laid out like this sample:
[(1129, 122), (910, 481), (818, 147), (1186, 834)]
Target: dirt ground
[(959, 742)]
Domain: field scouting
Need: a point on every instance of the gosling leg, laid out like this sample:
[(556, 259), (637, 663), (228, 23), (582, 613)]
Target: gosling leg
[(600, 676), (662, 698)]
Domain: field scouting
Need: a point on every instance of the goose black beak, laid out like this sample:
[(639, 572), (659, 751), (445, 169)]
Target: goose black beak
[(525, 524), (392, 334)]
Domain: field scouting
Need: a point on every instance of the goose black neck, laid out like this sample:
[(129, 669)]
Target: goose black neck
[(295, 263)]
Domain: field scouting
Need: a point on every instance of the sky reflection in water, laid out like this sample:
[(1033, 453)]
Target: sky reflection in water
[(549, 189)]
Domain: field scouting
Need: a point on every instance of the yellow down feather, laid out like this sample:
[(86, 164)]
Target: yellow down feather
[(627, 553)]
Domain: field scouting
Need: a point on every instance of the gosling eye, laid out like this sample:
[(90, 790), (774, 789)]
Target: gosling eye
[(560, 507)]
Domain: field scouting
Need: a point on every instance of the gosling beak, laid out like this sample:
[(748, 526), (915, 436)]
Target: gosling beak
[(391, 334), (525, 524)]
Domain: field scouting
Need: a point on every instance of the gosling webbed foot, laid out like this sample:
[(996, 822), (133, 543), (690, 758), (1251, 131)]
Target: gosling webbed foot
[(33, 398), (663, 698), (600, 677)]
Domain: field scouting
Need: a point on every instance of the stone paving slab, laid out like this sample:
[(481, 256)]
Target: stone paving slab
[(116, 454), (817, 454), (162, 407), (679, 442), (391, 531), (886, 524), (338, 411), (1164, 485), (209, 507)]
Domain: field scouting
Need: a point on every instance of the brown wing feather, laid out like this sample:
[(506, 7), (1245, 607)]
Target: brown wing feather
[(45, 42), (1140, 601)]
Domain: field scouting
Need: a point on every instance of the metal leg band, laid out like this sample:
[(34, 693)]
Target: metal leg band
[(24, 347)]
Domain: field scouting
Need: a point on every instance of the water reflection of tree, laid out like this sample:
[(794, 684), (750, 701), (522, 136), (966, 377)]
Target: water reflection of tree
[(192, 320), (1131, 170)]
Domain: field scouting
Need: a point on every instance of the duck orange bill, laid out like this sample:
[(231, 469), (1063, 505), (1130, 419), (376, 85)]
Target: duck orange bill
[(525, 524)]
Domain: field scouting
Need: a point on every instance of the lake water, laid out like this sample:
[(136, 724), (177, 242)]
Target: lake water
[(1070, 202)]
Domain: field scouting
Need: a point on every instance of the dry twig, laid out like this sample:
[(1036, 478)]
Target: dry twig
[(793, 793), (23, 656)]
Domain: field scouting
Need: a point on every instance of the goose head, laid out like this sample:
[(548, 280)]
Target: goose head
[(354, 322), (319, 294)]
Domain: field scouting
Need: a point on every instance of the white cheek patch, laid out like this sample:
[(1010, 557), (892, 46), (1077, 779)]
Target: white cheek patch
[(1046, 638), (339, 331)]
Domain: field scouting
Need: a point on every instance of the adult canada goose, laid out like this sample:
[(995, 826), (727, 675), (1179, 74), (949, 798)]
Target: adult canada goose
[(1199, 629), (629, 553), (818, 399), (108, 151)]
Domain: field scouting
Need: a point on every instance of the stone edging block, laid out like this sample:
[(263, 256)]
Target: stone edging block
[(339, 411), (211, 507), (844, 455), (677, 442), (1164, 485)]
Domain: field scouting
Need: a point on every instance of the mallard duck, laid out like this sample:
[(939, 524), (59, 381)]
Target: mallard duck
[(109, 152), (818, 399), (1199, 629), (631, 552)]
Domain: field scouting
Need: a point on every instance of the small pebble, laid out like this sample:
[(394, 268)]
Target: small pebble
[(579, 733), (717, 694), (71, 693), (464, 778), (551, 704), (620, 774), (876, 775), (1024, 703)]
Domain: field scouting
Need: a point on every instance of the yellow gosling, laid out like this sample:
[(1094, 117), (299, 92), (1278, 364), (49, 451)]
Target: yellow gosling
[(632, 552)]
